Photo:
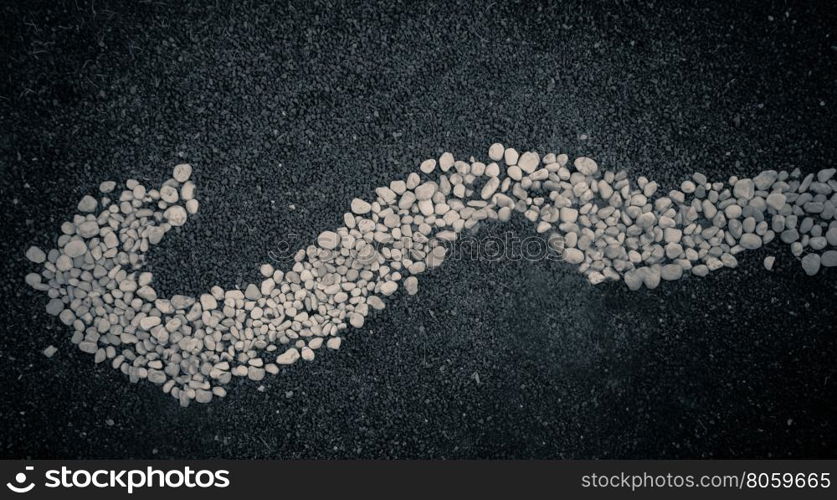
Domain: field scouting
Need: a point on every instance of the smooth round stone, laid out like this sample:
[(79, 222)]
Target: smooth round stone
[(776, 200), (700, 270), (169, 194), (732, 211), (831, 236), (573, 256), (446, 161), (411, 285), (147, 293), (328, 240), (36, 255), (182, 172), (208, 302), (75, 248), (202, 396), (63, 263), (633, 280), (529, 161), (176, 215), (288, 357), (744, 188), (651, 276), (307, 354), (334, 343), (510, 156), (54, 307), (356, 320), (361, 207), (811, 264), (266, 270), (255, 373), (88, 229), (33, 280), (426, 191), (149, 322), (388, 288), (768, 262), (87, 204), (428, 166), (495, 152), (829, 258), (750, 241), (671, 272), (585, 165)]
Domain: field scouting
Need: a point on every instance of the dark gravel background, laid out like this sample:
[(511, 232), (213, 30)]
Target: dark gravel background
[(314, 104)]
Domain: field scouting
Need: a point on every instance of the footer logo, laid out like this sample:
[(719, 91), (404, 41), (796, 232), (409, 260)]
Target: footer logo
[(20, 478), (124, 479)]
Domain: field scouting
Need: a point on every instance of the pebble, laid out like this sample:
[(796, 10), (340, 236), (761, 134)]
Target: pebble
[(671, 272), (776, 201), (744, 189), (811, 264), (388, 288), (307, 354), (50, 351), (411, 285), (328, 240), (87, 204), (36, 255), (288, 357), (428, 166), (573, 256), (510, 156), (750, 241), (585, 165), (361, 207), (334, 343), (425, 191), (529, 161), (75, 248), (182, 172), (208, 302), (495, 152), (176, 215), (768, 262)]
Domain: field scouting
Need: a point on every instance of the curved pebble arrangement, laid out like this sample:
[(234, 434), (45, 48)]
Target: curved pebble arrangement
[(598, 221)]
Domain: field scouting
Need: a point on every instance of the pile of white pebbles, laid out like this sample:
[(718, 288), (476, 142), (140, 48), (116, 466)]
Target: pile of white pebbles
[(602, 223)]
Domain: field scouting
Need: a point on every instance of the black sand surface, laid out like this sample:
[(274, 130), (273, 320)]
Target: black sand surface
[(313, 104)]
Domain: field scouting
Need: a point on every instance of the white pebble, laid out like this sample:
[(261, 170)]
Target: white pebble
[(328, 240), (36, 255), (288, 357), (176, 215), (87, 204), (495, 152), (428, 166), (182, 172), (811, 264), (361, 207), (411, 285)]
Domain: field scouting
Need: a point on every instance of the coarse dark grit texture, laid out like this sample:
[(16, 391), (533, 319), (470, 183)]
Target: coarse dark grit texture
[(287, 112)]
